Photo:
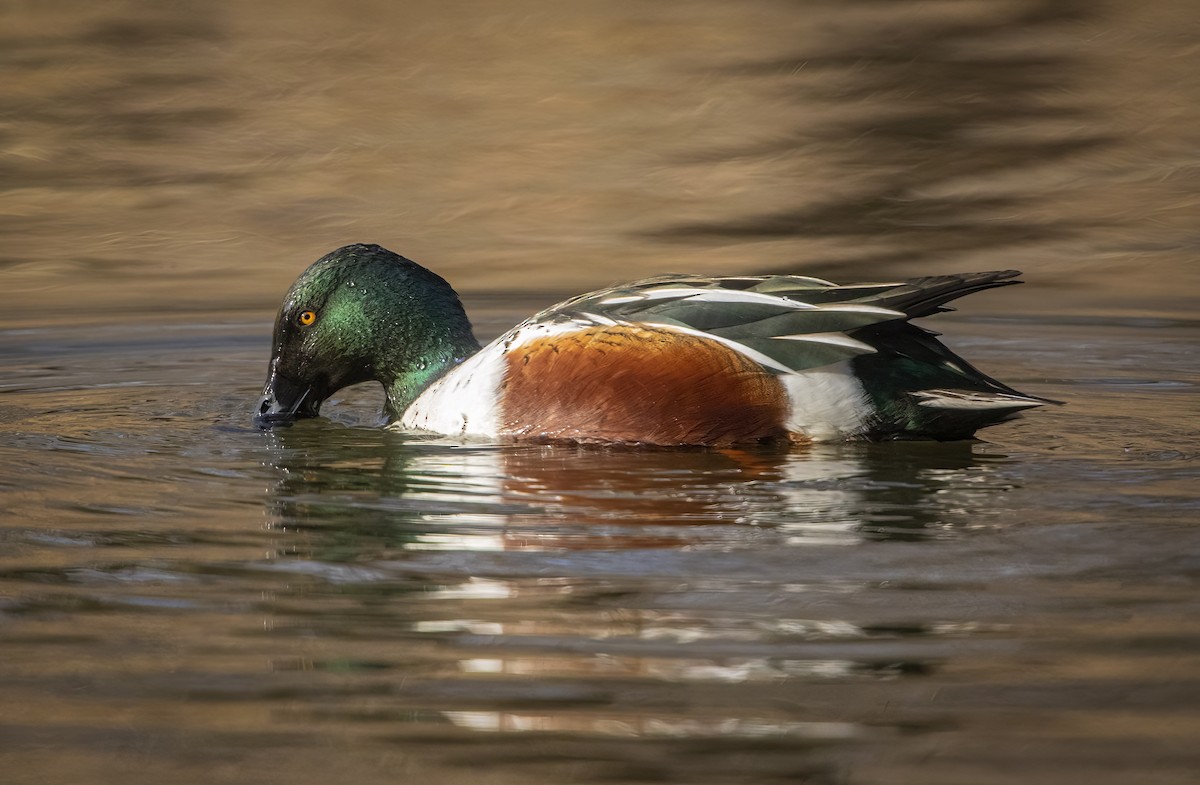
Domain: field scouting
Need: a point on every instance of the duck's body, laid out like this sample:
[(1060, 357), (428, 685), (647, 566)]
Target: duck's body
[(685, 360)]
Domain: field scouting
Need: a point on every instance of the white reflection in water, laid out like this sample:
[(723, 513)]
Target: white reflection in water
[(726, 670), (473, 626), (662, 726), (461, 541), (474, 589), (457, 474)]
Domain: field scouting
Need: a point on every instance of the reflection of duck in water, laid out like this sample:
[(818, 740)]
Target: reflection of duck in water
[(367, 492), (668, 361), (389, 491), (675, 566)]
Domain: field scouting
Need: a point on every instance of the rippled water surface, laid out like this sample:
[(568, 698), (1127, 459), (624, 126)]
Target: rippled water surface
[(184, 598)]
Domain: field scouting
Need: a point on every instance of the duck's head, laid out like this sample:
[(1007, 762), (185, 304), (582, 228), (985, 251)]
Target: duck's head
[(358, 314)]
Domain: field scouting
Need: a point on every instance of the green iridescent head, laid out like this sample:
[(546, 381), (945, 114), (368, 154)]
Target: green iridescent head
[(358, 314)]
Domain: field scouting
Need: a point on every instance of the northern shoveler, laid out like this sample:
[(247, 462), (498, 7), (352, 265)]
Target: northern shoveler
[(673, 360)]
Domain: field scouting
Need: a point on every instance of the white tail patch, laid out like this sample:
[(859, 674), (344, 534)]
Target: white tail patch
[(828, 403)]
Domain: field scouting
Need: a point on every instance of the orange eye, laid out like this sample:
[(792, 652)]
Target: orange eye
[(307, 317)]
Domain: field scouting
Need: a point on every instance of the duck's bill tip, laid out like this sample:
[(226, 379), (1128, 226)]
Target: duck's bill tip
[(268, 420), (283, 402)]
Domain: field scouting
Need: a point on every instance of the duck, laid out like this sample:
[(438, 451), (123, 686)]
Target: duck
[(668, 361)]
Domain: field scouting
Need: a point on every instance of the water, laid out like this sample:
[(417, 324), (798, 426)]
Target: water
[(184, 598)]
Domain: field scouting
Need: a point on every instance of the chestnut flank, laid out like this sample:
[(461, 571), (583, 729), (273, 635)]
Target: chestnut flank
[(637, 384)]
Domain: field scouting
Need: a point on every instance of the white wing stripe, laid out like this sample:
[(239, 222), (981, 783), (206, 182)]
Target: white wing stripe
[(953, 399), (833, 339), (709, 296), (857, 308)]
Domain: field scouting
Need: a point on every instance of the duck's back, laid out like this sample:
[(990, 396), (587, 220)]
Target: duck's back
[(722, 361)]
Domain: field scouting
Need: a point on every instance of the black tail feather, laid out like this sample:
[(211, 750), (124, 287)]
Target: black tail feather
[(918, 297)]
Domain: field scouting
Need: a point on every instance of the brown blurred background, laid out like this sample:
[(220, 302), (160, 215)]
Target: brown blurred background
[(173, 156)]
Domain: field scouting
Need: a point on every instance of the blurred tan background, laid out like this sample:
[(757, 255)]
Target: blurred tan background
[(181, 157)]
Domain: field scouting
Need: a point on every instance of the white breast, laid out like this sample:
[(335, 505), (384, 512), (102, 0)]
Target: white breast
[(466, 401), (463, 402)]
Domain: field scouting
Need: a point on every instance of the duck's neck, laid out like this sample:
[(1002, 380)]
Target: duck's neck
[(404, 385)]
